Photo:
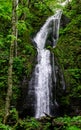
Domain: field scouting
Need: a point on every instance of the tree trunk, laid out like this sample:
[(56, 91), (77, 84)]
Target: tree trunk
[(9, 91), (16, 30)]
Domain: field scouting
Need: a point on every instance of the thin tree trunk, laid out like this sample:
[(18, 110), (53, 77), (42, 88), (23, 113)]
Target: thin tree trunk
[(28, 3), (9, 91), (16, 30)]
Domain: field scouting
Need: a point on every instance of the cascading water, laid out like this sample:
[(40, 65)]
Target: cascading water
[(43, 70)]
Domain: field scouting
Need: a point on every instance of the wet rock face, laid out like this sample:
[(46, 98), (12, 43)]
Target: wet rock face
[(52, 37), (64, 21), (25, 103), (59, 89)]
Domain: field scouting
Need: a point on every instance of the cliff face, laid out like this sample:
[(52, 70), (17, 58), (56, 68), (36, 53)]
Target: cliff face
[(68, 52)]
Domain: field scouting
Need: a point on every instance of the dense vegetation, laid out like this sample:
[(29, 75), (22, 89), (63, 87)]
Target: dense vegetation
[(68, 52)]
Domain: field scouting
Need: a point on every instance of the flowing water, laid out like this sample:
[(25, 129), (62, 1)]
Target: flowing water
[(43, 70)]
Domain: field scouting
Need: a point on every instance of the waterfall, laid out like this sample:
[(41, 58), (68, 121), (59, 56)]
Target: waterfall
[(65, 2), (43, 70)]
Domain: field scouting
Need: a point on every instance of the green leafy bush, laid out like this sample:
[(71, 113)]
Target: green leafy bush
[(5, 127), (69, 123)]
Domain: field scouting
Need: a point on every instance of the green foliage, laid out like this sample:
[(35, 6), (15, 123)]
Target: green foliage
[(61, 123), (69, 123), (68, 52), (14, 114), (5, 9), (5, 127), (29, 21), (47, 126), (72, 128), (21, 26), (28, 124), (18, 65), (12, 120)]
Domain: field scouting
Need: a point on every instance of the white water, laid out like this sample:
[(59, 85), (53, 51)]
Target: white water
[(43, 70), (65, 2)]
